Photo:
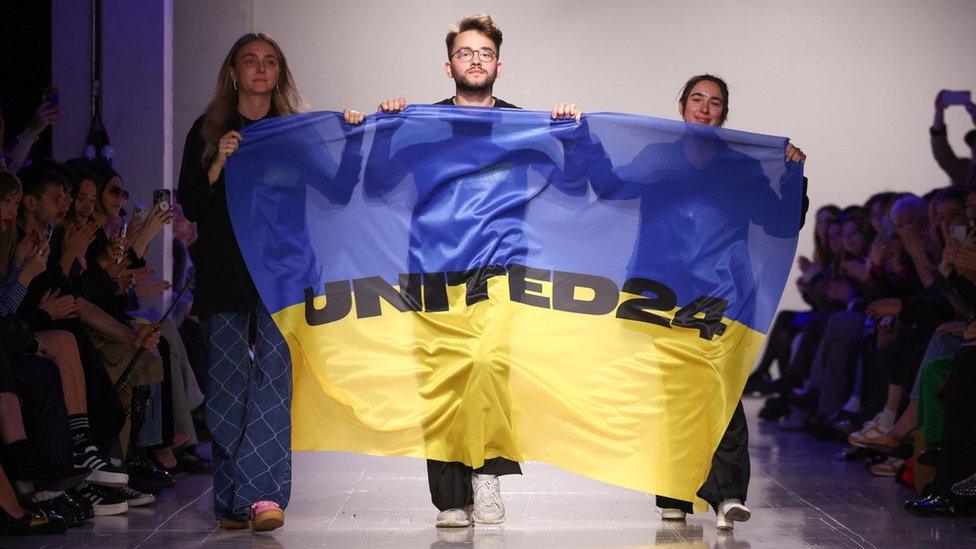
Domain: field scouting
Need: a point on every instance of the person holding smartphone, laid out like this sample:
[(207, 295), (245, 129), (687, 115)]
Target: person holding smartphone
[(961, 171), (14, 153)]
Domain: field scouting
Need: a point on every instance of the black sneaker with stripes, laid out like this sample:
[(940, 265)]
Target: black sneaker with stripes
[(103, 499), (134, 498), (103, 471)]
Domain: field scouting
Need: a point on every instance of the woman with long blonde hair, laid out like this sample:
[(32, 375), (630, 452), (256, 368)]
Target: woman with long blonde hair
[(248, 399), (18, 262)]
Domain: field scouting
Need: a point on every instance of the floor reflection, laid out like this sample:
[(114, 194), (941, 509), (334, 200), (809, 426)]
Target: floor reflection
[(667, 535), (800, 496)]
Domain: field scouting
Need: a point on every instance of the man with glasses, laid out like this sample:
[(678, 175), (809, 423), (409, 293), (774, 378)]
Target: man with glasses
[(462, 494)]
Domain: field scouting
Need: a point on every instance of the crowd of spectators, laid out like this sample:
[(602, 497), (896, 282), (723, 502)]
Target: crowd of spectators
[(100, 397), (885, 358)]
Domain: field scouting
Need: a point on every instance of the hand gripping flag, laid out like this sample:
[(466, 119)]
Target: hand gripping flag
[(468, 283)]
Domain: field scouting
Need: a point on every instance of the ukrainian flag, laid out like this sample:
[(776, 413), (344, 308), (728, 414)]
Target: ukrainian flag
[(468, 283)]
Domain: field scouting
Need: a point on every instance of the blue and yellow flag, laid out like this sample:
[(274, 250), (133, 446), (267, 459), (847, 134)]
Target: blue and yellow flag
[(467, 283)]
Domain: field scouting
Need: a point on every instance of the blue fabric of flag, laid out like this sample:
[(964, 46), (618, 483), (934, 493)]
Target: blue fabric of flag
[(705, 211)]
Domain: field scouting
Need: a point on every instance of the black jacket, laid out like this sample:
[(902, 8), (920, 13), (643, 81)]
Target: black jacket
[(223, 283)]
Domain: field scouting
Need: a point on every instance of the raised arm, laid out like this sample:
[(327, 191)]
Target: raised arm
[(383, 170), (951, 164)]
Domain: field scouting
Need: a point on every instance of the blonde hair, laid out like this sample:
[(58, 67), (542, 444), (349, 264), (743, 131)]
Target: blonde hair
[(216, 117), (8, 237)]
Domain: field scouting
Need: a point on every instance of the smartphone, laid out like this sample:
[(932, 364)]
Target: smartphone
[(139, 214), (48, 231), (956, 98), (163, 197), (122, 230), (52, 95), (959, 232)]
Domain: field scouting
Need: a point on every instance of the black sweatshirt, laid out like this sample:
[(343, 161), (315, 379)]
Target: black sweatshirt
[(223, 283)]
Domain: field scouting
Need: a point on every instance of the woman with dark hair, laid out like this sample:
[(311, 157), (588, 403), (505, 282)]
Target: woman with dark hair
[(705, 100), (109, 245), (84, 192), (248, 400), (856, 237)]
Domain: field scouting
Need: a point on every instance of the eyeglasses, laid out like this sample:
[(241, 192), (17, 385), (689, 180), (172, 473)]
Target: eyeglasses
[(118, 191), (465, 55)]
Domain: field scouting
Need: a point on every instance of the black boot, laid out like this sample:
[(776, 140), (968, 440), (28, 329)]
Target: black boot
[(934, 505), (144, 475), (756, 383), (931, 457), (62, 505), (32, 523), (775, 408), (188, 461)]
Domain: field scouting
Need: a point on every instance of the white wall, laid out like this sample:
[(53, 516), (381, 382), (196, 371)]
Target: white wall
[(850, 82), (137, 71)]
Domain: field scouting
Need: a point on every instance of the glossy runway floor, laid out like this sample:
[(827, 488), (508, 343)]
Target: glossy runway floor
[(800, 496)]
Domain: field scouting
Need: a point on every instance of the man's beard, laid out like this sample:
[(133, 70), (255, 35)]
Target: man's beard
[(463, 84)]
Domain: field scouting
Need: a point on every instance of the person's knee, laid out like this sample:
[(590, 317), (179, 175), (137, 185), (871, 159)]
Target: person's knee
[(59, 345), (39, 375), (844, 324)]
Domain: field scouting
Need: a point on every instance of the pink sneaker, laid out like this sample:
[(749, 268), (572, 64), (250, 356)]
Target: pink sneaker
[(266, 516)]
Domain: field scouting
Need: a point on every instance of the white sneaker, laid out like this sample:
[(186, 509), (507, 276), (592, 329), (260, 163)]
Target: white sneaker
[(454, 518), (729, 512), (672, 514), (488, 506)]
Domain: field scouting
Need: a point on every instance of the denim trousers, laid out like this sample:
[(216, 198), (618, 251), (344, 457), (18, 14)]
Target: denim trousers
[(248, 412)]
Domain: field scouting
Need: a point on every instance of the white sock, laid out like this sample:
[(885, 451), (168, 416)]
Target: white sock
[(886, 419), (853, 404), (46, 495)]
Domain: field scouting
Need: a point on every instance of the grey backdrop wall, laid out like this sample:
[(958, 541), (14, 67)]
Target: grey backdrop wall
[(137, 74), (850, 82)]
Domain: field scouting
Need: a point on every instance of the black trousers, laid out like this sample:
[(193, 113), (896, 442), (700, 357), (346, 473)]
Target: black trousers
[(7, 384), (779, 344), (729, 476), (959, 431), (450, 481), (41, 395)]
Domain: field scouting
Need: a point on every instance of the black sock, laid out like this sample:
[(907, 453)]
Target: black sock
[(80, 431)]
